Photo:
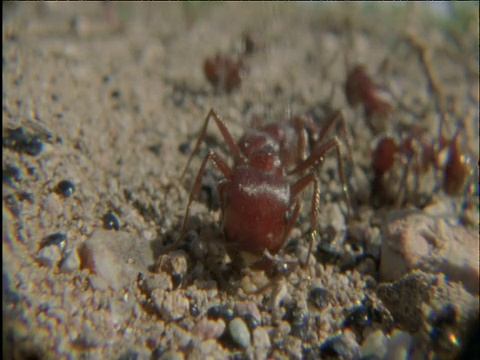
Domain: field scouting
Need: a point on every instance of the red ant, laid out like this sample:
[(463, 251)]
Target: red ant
[(360, 89), (224, 72), (259, 205), (416, 152)]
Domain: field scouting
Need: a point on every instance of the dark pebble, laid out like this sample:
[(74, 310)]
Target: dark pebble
[(110, 221), (224, 312), (34, 146), (319, 297), (20, 141), (57, 239), (185, 148), (298, 319), (177, 280), (107, 79), (116, 94), (251, 321), (65, 188), (156, 149), (194, 310), (359, 316)]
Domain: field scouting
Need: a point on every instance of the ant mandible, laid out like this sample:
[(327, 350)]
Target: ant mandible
[(259, 206), (416, 152)]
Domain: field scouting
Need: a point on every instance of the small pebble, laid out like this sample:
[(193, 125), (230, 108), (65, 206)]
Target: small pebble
[(209, 329), (151, 281), (177, 280), (239, 332), (261, 338), (172, 263), (171, 305), (359, 317), (399, 345), (375, 344), (156, 149), (71, 262), (298, 319), (185, 148), (194, 310), (115, 94), (251, 321), (224, 312), (65, 188), (49, 256), (57, 239), (110, 221), (319, 297), (244, 308), (20, 141)]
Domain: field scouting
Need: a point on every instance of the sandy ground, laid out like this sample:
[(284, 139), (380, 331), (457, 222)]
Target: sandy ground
[(114, 92)]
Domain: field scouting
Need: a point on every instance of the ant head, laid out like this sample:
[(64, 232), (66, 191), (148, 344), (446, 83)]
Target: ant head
[(266, 160), (255, 141)]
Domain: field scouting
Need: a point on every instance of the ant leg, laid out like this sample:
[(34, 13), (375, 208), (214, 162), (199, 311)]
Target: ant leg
[(293, 218), (222, 166), (299, 122), (297, 188), (332, 118), (225, 133), (402, 191), (457, 170), (197, 186), (316, 158)]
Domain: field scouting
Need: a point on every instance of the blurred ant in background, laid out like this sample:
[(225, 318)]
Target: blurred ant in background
[(361, 90), (418, 154), (226, 72)]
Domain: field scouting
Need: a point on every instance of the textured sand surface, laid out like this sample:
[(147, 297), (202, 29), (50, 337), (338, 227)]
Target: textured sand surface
[(115, 91)]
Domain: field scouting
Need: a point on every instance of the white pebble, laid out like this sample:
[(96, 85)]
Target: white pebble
[(399, 345), (71, 262), (49, 255), (375, 344), (239, 332)]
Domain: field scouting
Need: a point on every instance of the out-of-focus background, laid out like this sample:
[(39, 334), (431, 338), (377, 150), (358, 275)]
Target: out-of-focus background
[(102, 105)]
